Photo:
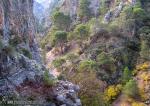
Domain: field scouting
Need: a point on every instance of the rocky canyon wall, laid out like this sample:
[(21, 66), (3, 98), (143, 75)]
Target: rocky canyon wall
[(21, 70), (16, 19)]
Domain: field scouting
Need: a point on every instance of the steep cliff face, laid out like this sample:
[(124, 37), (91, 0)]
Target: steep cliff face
[(18, 45), (17, 19), (71, 7), (104, 48), (117, 9), (22, 75)]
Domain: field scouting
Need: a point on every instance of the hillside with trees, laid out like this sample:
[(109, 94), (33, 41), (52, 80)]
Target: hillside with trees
[(107, 54)]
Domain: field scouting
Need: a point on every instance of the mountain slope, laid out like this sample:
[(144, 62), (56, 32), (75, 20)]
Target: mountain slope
[(100, 49)]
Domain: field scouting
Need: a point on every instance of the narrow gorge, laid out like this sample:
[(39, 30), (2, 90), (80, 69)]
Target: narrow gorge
[(74, 53), (24, 80)]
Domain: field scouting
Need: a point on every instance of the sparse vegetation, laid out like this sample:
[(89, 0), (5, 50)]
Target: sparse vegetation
[(88, 65), (99, 52), (27, 53), (58, 62), (48, 80)]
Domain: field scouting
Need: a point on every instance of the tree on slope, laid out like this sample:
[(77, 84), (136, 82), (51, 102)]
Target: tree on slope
[(60, 38)]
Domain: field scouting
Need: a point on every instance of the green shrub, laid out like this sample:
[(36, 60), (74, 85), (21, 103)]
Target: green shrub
[(106, 61), (104, 7), (8, 50), (61, 21), (58, 62), (15, 41), (145, 46), (26, 53), (90, 86), (138, 13), (95, 100), (49, 39), (48, 80), (1, 45), (128, 10), (88, 65), (71, 36), (71, 57), (60, 38), (104, 58), (84, 10), (126, 75), (131, 89), (144, 30), (82, 31)]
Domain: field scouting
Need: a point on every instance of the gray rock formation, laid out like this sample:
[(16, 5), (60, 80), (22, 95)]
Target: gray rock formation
[(111, 14), (70, 7), (95, 5), (66, 94), (19, 55), (21, 69)]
